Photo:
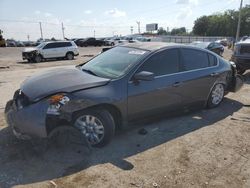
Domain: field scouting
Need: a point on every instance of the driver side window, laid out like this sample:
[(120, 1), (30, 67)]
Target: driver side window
[(162, 63)]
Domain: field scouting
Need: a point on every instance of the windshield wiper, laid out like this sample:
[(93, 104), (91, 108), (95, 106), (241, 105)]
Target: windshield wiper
[(89, 71)]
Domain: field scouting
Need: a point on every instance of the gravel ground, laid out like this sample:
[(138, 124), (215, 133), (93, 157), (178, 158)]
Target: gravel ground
[(205, 148)]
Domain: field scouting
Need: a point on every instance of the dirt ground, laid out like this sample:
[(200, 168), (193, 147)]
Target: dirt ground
[(205, 148)]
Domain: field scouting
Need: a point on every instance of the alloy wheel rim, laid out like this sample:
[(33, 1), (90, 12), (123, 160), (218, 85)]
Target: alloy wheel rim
[(91, 127), (217, 94), (70, 56)]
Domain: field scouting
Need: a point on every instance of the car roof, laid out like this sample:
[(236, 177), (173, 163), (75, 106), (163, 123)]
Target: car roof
[(247, 41), (150, 46), (57, 41)]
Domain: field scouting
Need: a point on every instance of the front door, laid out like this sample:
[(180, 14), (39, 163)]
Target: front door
[(162, 93)]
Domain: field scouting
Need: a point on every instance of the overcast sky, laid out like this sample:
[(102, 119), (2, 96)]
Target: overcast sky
[(19, 18)]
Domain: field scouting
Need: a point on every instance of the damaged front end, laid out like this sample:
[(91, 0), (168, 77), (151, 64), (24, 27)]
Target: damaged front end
[(30, 55), (29, 119)]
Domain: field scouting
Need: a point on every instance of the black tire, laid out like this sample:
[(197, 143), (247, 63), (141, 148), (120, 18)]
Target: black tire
[(38, 58), (212, 103), (64, 135), (107, 122), (70, 56), (112, 44)]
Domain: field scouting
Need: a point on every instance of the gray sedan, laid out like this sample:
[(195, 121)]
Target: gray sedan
[(125, 83)]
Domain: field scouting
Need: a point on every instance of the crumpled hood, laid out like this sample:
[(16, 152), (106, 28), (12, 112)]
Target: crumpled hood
[(29, 49), (59, 80)]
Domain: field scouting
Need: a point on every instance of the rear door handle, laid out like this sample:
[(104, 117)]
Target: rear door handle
[(214, 74), (177, 84)]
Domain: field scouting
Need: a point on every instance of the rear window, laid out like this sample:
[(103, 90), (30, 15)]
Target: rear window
[(193, 59), (212, 60)]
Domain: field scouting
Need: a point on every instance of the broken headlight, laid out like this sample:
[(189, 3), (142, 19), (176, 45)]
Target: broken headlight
[(56, 102)]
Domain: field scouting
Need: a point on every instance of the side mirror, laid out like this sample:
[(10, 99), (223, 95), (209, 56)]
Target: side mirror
[(144, 75)]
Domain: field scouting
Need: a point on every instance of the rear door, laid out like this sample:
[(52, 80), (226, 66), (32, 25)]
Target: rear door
[(149, 97), (63, 48), (49, 50), (199, 70)]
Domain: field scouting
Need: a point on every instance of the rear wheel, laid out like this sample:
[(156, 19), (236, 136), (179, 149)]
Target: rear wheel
[(70, 56), (216, 96), (97, 125)]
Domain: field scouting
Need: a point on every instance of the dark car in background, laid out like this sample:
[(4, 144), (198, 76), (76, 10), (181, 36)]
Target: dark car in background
[(212, 46), (91, 42), (241, 55), (123, 84), (78, 41)]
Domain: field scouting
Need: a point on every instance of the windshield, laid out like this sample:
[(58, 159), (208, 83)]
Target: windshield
[(115, 62), (41, 45)]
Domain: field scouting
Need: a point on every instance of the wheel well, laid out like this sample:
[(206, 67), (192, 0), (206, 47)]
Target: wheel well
[(113, 110), (70, 52)]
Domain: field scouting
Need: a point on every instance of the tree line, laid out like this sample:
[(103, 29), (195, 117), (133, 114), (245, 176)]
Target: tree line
[(218, 24)]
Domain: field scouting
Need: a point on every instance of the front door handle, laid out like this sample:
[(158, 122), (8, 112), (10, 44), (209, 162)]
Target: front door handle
[(214, 74), (177, 84)]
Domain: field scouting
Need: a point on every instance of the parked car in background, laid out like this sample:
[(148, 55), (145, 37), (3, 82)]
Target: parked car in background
[(143, 39), (110, 41), (212, 46), (223, 42), (20, 44), (91, 42), (48, 50), (241, 55), (29, 43), (10, 43), (244, 38), (78, 41), (118, 86)]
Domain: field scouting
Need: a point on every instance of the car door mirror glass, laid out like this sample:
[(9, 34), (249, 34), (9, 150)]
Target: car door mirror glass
[(144, 75)]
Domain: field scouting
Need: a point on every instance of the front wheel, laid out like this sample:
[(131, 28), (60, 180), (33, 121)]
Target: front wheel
[(97, 125), (216, 96), (38, 59)]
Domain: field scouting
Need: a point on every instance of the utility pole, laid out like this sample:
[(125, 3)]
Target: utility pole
[(139, 27), (41, 30), (131, 29), (63, 31), (94, 33), (239, 20), (28, 36)]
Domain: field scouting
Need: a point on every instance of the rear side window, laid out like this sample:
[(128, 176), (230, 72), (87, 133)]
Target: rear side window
[(67, 44), (63, 44), (193, 59), (162, 63), (212, 60)]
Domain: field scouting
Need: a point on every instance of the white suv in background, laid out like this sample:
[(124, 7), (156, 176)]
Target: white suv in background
[(48, 50)]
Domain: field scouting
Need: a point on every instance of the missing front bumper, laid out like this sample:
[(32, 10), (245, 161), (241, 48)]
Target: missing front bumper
[(237, 83)]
